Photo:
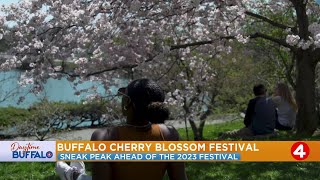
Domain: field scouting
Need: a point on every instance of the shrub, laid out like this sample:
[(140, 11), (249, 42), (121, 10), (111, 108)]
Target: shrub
[(10, 116), (46, 117)]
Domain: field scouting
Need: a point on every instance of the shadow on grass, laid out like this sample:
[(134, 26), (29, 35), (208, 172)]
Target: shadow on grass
[(251, 170), (52, 177)]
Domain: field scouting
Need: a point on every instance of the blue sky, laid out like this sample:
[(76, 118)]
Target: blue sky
[(8, 1)]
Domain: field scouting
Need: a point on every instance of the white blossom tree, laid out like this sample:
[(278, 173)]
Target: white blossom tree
[(107, 37), (193, 84)]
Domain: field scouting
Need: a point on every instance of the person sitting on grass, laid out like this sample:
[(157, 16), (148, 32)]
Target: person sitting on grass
[(143, 105), (286, 107), (260, 116)]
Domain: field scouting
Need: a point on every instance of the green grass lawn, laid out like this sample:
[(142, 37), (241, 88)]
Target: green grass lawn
[(248, 170), (195, 171)]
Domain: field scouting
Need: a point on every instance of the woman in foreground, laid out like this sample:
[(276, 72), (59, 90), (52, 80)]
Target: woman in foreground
[(286, 107), (142, 104)]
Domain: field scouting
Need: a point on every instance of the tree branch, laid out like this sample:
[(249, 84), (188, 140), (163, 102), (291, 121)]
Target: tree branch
[(288, 67), (273, 23), (128, 66), (181, 46), (267, 37)]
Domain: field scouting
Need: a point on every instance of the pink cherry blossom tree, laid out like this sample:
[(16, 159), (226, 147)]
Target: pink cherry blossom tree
[(107, 39)]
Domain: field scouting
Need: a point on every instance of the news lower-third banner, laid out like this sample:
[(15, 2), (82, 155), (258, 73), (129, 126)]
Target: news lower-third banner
[(146, 151)]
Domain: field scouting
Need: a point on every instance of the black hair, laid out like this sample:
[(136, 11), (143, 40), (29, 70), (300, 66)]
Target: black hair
[(259, 90), (148, 99)]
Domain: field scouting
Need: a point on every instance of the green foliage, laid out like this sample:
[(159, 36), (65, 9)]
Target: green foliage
[(11, 116), (46, 117), (259, 61), (168, 41), (277, 60), (69, 66), (237, 73), (73, 109), (3, 45), (118, 41), (49, 117)]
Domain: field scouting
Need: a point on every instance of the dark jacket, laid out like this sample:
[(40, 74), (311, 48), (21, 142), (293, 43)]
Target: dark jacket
[(261, 115)]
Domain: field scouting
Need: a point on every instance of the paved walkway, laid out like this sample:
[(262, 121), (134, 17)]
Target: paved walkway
[(85, 134)]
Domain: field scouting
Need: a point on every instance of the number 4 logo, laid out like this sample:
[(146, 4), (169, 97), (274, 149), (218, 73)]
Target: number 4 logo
[(300, 150)]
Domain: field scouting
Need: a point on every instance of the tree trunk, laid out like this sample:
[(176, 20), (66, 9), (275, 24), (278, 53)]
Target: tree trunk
[(305, 94), (186, 127), (195, 130), (318, 112), (201, 126)]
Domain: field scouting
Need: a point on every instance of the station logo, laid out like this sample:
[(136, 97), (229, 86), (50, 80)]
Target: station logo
[(29, 151)]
